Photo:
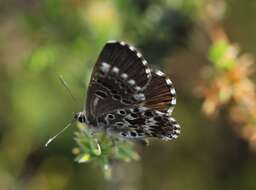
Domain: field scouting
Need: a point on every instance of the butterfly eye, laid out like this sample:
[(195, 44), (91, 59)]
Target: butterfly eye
[(81, 119)]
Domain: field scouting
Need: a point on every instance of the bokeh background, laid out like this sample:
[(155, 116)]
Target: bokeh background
[(205, 46)]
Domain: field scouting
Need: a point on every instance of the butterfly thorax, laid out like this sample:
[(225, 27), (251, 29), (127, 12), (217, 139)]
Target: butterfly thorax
[(82, 118), (94, 125)]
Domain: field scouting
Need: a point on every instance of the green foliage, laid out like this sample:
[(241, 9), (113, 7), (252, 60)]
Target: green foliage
[(102, 149), (42, 57), (220, 54)]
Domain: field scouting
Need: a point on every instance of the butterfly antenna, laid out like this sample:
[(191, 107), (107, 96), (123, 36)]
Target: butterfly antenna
[(61, 131), (65, 84)]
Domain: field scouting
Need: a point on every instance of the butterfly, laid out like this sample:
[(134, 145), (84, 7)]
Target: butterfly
[(128, 99)]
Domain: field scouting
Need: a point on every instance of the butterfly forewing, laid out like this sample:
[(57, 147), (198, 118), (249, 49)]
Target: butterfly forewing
[(119, 77), (140, 122), (129, 62)]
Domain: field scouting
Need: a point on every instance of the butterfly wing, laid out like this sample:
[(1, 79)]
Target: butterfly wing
[(140, 122), (160, 93), (119, 77)]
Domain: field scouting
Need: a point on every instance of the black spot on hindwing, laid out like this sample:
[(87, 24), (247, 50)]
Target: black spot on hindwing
[(140, 125)]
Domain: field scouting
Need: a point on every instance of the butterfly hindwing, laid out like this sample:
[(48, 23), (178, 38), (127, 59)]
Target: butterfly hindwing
[(160, 93), (118, 80), (140, 122)]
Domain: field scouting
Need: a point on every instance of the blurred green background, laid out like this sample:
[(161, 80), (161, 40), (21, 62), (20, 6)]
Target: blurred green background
[(40, 40)]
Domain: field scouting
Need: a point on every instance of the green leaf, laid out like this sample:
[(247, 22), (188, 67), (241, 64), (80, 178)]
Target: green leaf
[(218, 51), (101, 148), (83, 158), (219, 55), (96, 149), (42, 58)]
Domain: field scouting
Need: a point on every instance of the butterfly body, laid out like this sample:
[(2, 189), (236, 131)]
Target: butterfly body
[(127, 99)]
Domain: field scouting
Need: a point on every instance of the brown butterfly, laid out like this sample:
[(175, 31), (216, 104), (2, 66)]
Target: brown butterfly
[(128, 99)]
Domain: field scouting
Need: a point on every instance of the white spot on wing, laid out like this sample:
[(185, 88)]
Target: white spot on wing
[(105, 67), (139, 55), (151, 121), (170, 110), (131, 82), (138, 88), (115, 70), (166, 138), (144, 62), (124, 75), (111, 41), (122, 43), (143, 109), (139, 97), (168, 81), (177, 126), (172, 120), (160, 73), (173, 92), (173, 102), (175, 136), (147, 70), (131, 48), (158, 112)]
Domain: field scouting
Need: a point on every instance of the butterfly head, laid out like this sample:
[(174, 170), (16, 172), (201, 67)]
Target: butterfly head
[(81, 117)]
